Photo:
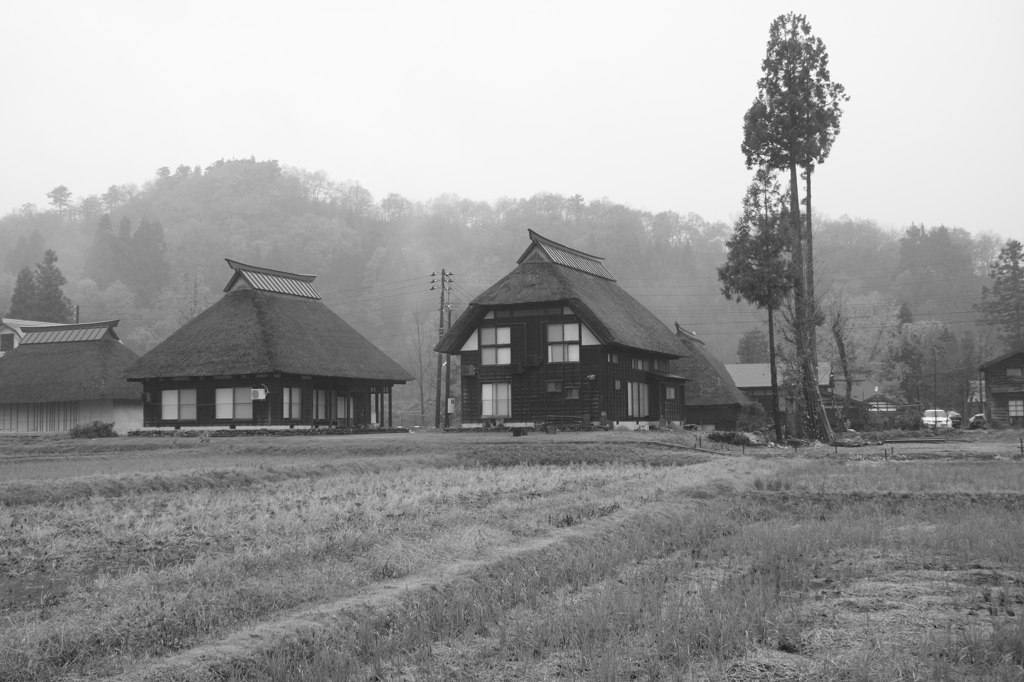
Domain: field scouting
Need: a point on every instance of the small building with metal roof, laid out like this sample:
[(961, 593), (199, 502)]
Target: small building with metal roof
[(65, 375)]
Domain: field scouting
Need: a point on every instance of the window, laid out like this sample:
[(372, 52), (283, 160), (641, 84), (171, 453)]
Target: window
[(572, 393), (234, 403), (613, 358), (670, 393), (495, 345), (564, 342), (495, 400), (637, 363), (618, 385), (554, 387), (178, 405), (292, 403), (1013, 372), (320, 404), (1016, 408), (637, 399)]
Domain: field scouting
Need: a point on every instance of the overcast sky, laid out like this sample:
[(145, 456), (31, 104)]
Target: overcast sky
[(641, 103)]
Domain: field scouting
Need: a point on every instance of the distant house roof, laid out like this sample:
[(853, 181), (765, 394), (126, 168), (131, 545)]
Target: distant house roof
[(265, 279), (17, 325), (80, 362), (759, 374), (710, 382), (69, 333), (552, 273), (255, 331), (1001, 358)]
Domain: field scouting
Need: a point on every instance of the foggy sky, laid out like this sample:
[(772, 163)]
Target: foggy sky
[(641, 103)]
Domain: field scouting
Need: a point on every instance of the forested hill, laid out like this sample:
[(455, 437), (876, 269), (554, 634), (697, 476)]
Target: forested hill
[(154, 256)]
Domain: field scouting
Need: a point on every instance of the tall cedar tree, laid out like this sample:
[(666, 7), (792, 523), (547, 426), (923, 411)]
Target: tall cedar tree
[(757, 267), (24, 299), (1003, 304), (51, 305), (792, 123)]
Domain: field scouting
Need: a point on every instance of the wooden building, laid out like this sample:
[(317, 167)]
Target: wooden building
[(755, 380), (65, 375), (268, 354), (712, 400), (1004, 390), (558, 341)]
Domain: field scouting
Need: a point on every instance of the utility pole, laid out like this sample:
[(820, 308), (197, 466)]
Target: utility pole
[(444, 287), (448, 359)]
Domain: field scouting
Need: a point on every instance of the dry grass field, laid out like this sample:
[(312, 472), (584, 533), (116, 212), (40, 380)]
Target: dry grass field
[(574, 556)]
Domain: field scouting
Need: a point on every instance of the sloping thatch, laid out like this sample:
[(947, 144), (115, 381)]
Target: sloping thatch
[(59, 372), (254, 332), (710, 383), (613, 315)]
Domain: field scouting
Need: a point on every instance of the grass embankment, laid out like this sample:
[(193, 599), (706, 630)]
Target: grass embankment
[(176, 569)]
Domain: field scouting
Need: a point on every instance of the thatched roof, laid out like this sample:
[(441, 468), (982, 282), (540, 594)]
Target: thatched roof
[(710, 383), (249, 331), (546, 275), (52, 370)]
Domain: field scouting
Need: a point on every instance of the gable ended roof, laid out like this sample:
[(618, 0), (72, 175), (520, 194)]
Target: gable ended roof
[(1001, 358), (710, 382), (256, 331), (69, 362), (549, 272), (759, 374)]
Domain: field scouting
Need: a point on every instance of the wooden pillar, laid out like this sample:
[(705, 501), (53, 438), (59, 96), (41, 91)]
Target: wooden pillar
[(389, 408)]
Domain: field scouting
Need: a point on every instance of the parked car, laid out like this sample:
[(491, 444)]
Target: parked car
[(977, 422), (936, 418), (955, 420)]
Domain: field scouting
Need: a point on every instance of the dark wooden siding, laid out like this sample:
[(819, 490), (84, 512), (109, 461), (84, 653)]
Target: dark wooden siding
[(1000, 389), (269, 412), (531, 400)]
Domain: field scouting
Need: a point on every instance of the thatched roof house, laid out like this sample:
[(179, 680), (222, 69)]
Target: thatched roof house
[(61, 376), (269, 331), (558, 339), (712, 398), (550, 272)]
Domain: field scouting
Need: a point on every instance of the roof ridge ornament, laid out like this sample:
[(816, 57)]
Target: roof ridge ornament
[(275, 281), (567, 256)]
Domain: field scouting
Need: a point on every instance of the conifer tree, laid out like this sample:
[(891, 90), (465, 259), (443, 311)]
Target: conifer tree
[(1003, 304), (24, 299), (51, 305)]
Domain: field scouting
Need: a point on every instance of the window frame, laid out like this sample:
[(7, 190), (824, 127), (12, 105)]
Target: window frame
[(235, 404), (495, 403), (291, 402), (638, 404), (177, 404), (500, 348), (567, 347), (1015, 408)]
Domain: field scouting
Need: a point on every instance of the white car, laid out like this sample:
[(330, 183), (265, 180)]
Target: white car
[(936, 418)]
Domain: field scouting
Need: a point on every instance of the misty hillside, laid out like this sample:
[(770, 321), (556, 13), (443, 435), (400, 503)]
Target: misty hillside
[(154, 256)]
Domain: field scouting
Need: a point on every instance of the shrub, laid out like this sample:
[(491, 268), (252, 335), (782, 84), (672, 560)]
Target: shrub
[(752, 417), (731, 437), (96, 429)]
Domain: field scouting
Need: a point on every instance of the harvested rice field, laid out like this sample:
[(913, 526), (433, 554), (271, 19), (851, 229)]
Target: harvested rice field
[(479, 556)]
